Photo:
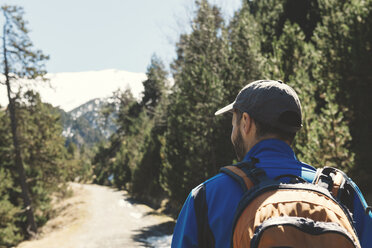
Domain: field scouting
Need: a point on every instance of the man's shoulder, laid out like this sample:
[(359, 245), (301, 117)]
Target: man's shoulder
[(223, 185), (220, 183), (224, 181)]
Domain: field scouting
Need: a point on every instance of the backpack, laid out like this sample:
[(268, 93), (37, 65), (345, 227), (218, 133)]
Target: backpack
[(295, 214)]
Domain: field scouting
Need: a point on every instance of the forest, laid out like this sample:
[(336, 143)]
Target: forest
[(169, 141)]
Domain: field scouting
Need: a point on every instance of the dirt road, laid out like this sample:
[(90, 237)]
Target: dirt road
[(103, 217)]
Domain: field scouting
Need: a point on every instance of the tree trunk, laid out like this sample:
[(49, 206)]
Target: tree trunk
[(31, 225)]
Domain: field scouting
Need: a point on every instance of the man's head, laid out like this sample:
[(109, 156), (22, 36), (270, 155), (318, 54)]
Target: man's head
[(263, 109)]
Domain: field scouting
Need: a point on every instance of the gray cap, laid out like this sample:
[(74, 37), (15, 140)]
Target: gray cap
[(270, 102)]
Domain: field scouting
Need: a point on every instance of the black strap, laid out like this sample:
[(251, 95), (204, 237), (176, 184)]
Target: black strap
[(236, 177), (295, 179), (256, 175), (205, 235)]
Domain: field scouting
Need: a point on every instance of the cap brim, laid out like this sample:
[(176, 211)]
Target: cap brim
[(225, 109)]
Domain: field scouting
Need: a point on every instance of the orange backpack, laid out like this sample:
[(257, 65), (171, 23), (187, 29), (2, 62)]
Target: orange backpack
[(297, 214)]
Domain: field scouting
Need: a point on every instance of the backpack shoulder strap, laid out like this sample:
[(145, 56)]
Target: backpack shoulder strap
[(245, 173)]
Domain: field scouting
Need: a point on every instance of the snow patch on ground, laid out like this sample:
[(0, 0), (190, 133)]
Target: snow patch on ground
[(160, 242), (124, 204), (136, 215)]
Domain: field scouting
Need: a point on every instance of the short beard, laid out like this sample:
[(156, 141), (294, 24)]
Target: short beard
[(239, 146)]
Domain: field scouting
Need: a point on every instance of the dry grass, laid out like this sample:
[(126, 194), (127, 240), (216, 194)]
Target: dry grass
[(68, 213)]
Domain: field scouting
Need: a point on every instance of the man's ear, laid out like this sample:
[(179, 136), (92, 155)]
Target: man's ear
[(246, 123)]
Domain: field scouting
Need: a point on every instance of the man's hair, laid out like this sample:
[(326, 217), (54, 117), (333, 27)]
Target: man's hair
[(263, 129)]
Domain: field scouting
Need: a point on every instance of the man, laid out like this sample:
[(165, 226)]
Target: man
[(266, 117)]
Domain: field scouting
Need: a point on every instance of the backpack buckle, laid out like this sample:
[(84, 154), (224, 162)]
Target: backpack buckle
[(325, 181)]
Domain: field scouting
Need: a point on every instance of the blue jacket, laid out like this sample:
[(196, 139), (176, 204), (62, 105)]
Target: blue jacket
[(222, 195)]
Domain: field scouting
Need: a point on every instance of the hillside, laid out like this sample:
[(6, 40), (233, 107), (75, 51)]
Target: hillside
[(86, 125)]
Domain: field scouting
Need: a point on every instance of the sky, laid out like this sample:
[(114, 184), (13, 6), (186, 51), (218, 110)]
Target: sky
[(86, 35), (99, 46)]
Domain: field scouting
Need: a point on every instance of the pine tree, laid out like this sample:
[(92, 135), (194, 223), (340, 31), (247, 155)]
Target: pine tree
[(117, 160), (191, 148), (245, 59), (19, 60), (155, 103), (102, 170), (155, 86), (305, 13), (272, 16), (344, 41), (269, 15), (43, 151), (10, 232), (324, 139), (104, 162), (42, 148)]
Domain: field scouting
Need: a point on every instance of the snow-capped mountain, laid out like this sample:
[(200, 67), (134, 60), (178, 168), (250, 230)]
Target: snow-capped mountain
[(80, 97), (86, 125), (68, 90)]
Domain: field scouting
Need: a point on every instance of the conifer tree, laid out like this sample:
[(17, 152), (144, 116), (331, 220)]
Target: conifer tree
[(105, 165), (101, 168), (272, 15), (324, 139), (122, 173), (305, 13), (191, 148), (42, 148), (155, 103), (10, 232), (245, 58), (43, 151), (117, 160), (269, 15), (19, 60), (344, 41), (155, 86)]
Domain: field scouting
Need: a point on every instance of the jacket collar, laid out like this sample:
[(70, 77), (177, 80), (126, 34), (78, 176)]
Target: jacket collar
[(270, 148)]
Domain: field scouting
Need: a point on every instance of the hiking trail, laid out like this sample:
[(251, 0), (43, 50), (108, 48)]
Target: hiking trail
[(98, 216)]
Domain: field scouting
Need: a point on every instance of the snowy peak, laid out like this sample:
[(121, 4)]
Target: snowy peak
[(68, 90), (72, 89)]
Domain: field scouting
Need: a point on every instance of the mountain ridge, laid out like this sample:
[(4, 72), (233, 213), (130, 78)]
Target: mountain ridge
[(84, 125), (69, 90)]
